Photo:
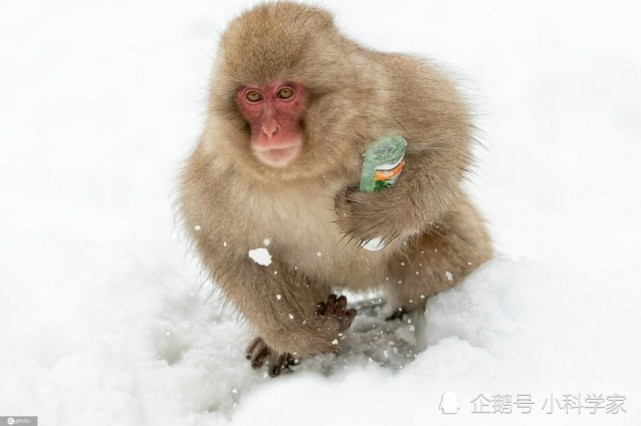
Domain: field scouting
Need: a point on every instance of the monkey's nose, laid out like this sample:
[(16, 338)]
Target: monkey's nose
[(270, 128)]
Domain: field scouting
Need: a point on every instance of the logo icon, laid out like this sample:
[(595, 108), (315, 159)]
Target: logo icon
[(449, 403), (10, 420)]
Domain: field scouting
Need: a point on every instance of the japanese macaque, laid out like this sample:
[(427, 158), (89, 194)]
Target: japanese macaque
[(293, 107)]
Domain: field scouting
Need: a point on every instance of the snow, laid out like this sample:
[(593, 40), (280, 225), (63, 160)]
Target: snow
[(104, 319), (261, 256), (374, 244)]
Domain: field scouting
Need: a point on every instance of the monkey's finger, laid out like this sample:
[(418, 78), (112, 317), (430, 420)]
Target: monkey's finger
[(252, 345), (291, 360), (344, 197), (281, 363), (320, 308), (351, 193), (259, 351), (274, 371), (259, 358), (277, 364)]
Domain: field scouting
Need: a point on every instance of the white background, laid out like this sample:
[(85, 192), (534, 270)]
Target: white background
[(104, 319)]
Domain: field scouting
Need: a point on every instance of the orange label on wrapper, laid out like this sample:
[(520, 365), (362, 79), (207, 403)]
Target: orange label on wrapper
[(382, 175)]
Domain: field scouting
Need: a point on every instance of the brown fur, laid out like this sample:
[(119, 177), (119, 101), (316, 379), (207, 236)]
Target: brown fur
[(309, 209)]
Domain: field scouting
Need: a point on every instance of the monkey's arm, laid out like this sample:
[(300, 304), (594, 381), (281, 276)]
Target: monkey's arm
[(286, 308), (427, 188)]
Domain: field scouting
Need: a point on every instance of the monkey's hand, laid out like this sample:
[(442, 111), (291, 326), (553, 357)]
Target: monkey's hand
[(363, 216), (328, 325), (258, 353)]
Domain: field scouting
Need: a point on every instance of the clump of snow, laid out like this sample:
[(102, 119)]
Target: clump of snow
[(374, 244), (261, 256)]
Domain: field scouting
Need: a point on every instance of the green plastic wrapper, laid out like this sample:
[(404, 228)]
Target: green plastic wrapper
[(383, 163)]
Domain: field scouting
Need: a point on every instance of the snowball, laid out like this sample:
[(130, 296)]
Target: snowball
[(261, 256)]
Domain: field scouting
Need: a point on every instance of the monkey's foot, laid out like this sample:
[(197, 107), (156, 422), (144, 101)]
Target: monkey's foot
[(259, 353), (399, 314), (336, 309)]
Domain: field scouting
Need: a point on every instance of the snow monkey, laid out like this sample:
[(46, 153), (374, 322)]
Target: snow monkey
[(293, 107)]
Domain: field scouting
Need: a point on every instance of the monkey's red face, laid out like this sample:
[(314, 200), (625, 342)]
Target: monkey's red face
[(274, 113)]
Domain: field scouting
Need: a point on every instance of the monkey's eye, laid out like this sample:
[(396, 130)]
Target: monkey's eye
[(253, 96), (285, 92)]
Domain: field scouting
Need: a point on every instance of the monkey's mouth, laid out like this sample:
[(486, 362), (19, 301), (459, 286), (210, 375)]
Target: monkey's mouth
[(277, 157)]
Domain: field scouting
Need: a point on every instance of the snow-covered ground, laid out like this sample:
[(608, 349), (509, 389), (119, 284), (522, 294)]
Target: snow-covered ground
[(104, 320)]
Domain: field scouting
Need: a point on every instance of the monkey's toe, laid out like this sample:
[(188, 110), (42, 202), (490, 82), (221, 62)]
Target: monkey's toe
[(330, 306), (336, 307), (346, 320), (398, 314)]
